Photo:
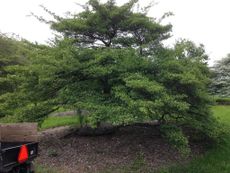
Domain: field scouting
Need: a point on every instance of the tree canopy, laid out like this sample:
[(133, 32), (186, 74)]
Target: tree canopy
[(109, 25)]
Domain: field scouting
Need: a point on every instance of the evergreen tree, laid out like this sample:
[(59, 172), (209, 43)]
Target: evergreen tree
[(221, 78)]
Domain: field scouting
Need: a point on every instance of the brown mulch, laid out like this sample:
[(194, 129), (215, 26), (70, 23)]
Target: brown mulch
[(81, 154)]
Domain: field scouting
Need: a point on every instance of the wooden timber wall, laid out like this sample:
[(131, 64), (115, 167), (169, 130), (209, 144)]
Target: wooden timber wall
[(21, 132)]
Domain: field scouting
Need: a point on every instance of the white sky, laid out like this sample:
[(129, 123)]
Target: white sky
[(202, 21)]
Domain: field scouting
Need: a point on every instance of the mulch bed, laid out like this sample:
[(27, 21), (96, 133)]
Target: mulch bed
[(82, 154)]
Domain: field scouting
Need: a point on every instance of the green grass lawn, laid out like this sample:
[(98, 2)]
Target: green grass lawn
[(223, 113), (56, 121)]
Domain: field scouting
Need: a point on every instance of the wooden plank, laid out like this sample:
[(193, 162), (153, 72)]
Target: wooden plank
[(20, 138), (21, 132)]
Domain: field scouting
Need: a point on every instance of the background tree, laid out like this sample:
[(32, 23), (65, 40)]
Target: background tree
[(221, 77), (13, 52)]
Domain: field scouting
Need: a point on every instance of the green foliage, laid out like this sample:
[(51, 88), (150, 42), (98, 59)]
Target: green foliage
[(221, 78), (187, 49), (176, 138), (215, 160), (129, 77), (13, 53), (110, 25)]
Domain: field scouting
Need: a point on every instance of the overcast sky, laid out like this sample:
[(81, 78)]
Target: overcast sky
[(202, 21)]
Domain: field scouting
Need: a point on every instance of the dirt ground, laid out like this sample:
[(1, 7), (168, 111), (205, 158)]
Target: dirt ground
[(83, 154)]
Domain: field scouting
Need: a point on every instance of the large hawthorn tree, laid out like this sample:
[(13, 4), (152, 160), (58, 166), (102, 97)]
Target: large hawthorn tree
[(111, 62), (109, 47)]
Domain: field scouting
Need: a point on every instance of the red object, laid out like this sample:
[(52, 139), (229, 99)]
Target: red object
[(23, 155)]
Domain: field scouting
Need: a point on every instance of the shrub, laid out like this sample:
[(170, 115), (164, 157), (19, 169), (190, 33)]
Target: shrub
[(223, 101), (121, 75), (176, 138)]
